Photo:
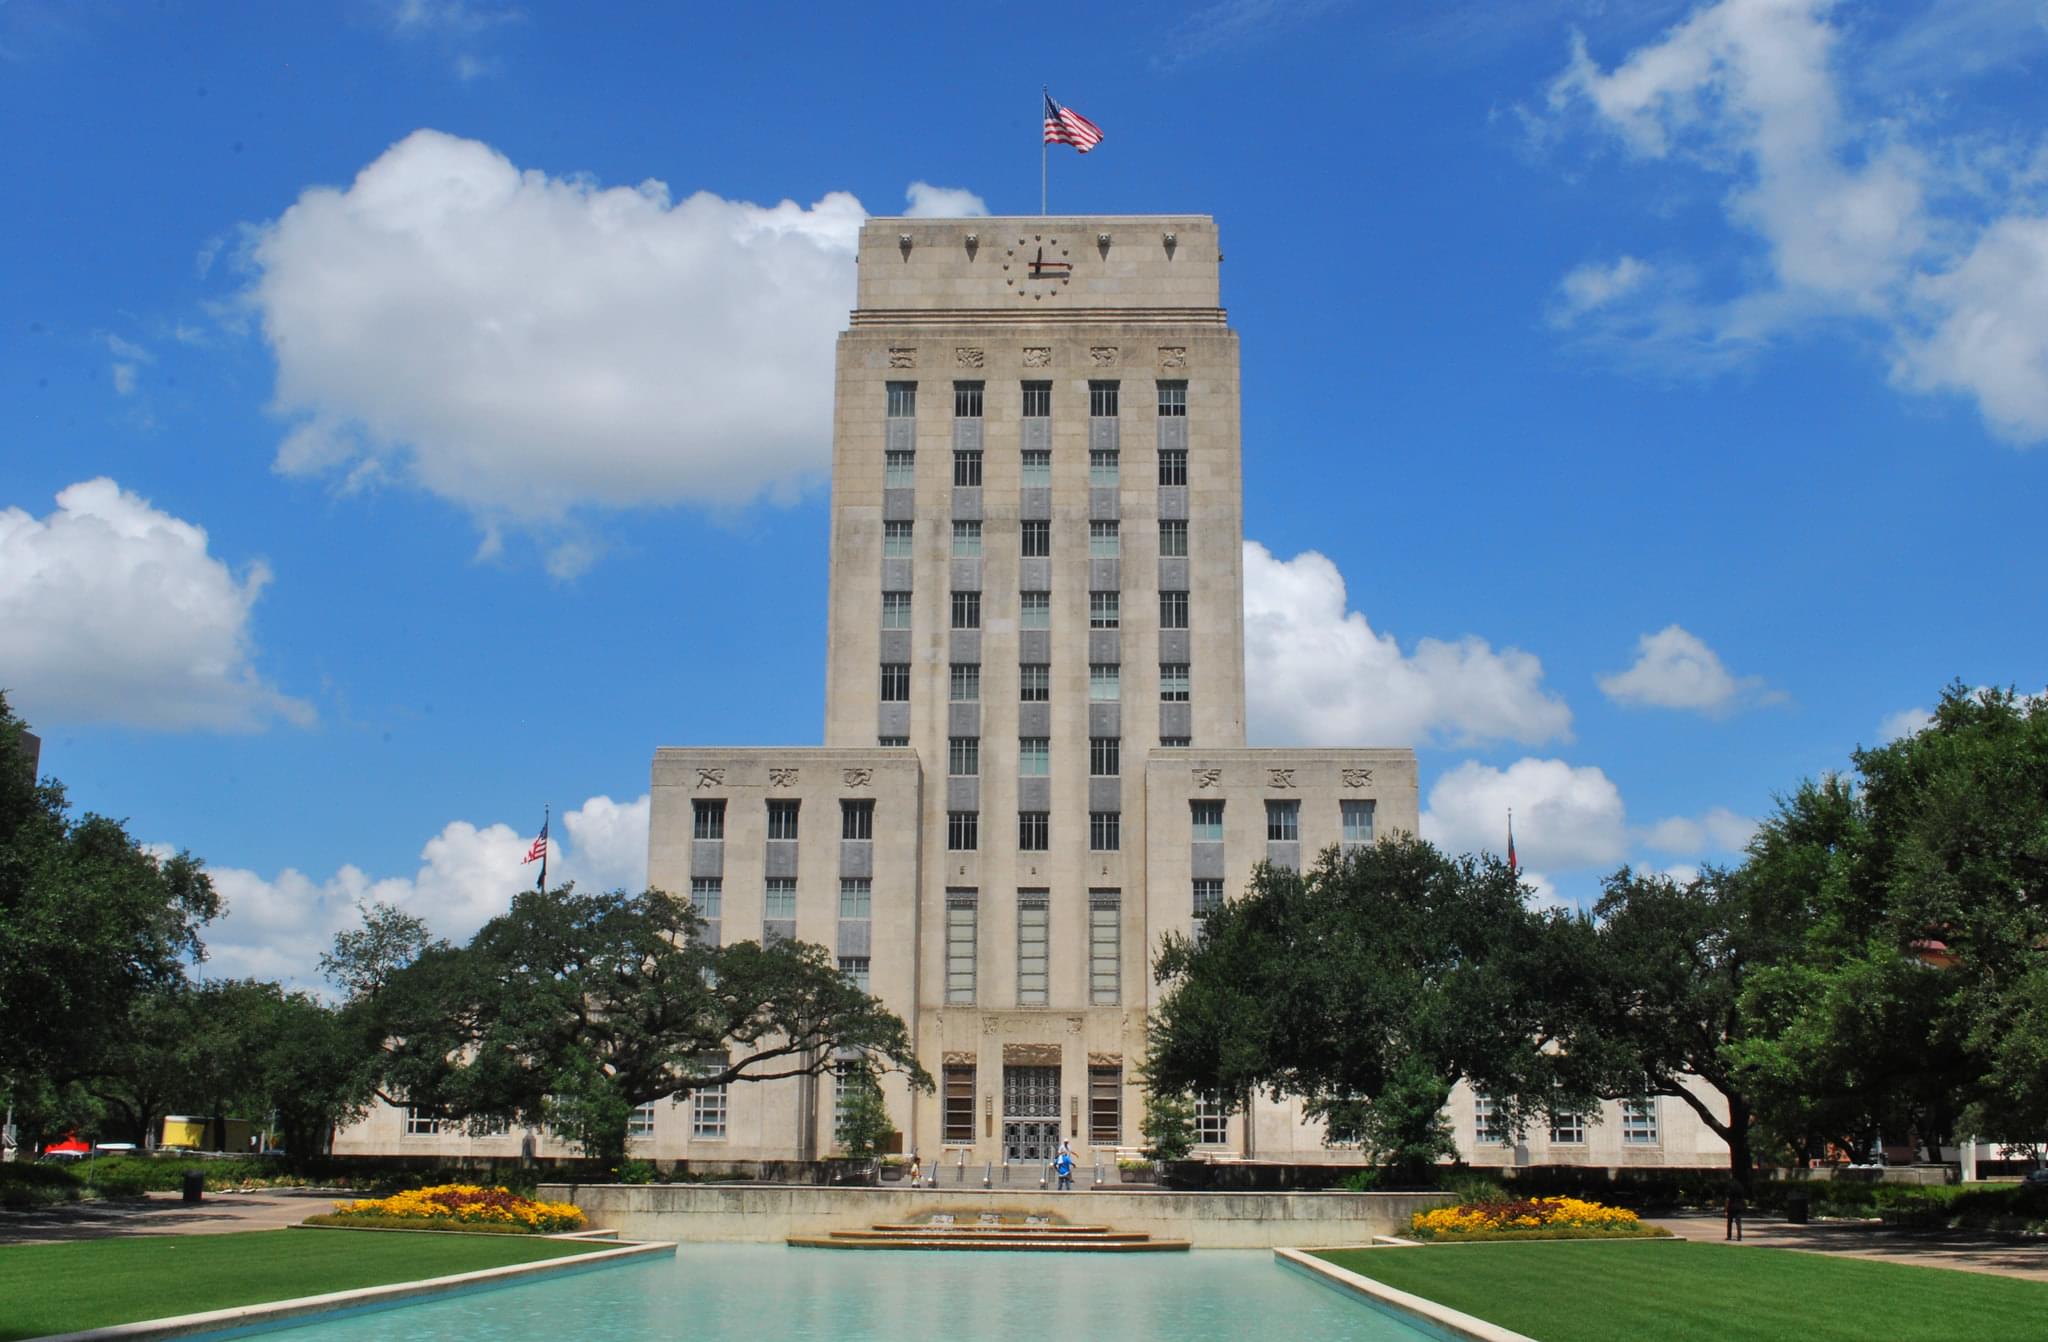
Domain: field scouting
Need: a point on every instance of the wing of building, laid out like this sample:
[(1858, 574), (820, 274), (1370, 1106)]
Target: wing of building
[(1034, 762)]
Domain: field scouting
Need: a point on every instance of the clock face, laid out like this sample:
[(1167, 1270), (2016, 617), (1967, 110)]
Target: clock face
[(1037, 267)]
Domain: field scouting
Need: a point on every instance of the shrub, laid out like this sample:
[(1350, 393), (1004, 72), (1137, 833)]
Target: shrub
[(467, 1204), (636, 1171), (1360, 1181), (24, 1185), (1505, 1219), (1476, 1188)]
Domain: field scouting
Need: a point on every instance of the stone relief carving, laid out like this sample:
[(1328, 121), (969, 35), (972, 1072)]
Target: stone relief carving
[(1074, 1024), (1279, 778), (858, 777), (1357, 777), (903, 356), (1103, 356), (710, 778), (1208, 777), (1105, 1059), (782, 777), (1038, 356), (964, 357), (1173, 356), (1031, 1055), (953, 1059)]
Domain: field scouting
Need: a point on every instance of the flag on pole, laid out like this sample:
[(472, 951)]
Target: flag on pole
[(1511, 840), (1063, 125), (539, 853)]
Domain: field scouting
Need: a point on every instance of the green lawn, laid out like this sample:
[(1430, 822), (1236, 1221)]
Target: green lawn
[(58, 1288), (1663, 1292)]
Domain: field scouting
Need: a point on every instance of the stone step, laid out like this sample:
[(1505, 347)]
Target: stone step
[(1004, 1228), (1093, 1236), (984, 1243)]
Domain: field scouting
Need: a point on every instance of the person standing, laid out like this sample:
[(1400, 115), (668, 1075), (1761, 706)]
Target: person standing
[(1063, 1166), (1737, 1204)]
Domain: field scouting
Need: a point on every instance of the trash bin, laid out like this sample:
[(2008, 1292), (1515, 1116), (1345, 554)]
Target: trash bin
[(195, 1185), (1796, 1206)]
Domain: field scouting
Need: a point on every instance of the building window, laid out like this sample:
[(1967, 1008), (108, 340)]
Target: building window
[(967, 400), (1173, 540), (1173, 466), (896, 540), (1173, 610), (1034, 831), (895, 682), (1102, 400), (1031, 948), (1171, 742), (1037, 400), (1105, 947), (1639, 1122), (1105, 1106), (1173, 400), (1283, 822), (966, 682), (902, 400), (959, 1105), (967, 540), (1034, 683), (966, 471), (1105, 682), (1357, 821), (1105, 756), (1105, 831), (1037, 468), (900, 472), (1104, 610), (1034, 756), (854, 969), (1212, 1120), (1208, 820), (895, 610), (707, 1113), (707, 819), (856, 820), (1208, 897), (888, 741), (1102, 468), (1487, 1127), (1568, 1130), (849, 1078), (963, 831), (1103, 540), (782, 819), (856, 896), (420, 1122), (1037, 540), (779, 906), (960, 946), (1034, 610), (963, 756), (707, 896), (1173, 682), (640, 1123), (967, 610)]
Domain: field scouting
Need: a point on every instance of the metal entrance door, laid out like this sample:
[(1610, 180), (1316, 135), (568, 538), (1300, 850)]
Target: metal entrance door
[(1031, 1113)]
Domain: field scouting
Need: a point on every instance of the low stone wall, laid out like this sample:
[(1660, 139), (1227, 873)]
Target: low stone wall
[(766, 1213)]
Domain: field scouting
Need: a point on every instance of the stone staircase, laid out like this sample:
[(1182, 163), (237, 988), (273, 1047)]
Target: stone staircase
[(991, 1231)]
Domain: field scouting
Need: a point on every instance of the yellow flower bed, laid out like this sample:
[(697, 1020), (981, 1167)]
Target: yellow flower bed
[(1523, 1214), (472, 1204)]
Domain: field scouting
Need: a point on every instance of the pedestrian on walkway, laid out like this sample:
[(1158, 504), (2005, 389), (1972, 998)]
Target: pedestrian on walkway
[(1737, 1204), (1063, 1166)]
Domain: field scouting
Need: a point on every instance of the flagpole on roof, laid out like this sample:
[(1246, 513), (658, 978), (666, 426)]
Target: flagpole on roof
[(1045, 97), (544, 816)]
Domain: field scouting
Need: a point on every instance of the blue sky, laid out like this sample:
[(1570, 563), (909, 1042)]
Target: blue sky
[(1643, 405)]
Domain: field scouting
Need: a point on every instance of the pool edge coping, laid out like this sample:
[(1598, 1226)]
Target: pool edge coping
[(1455, 1322), (277, 1311)]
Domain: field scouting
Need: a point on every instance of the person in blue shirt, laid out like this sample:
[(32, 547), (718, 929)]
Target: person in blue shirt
[(1063, 1166)]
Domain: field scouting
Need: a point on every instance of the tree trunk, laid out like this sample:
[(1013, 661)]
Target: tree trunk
[(1741, 1160)]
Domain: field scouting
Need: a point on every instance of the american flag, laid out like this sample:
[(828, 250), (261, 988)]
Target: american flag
[(539, 851), (1063, 125)]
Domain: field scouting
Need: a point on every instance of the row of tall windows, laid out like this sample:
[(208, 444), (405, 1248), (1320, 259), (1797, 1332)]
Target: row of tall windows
[(1034, 682), (1105, 609), (1283, 821), (1104, 399), (707, 1115), (779, 897), (1103, 948), (1034, 756), (1034, 831), (1105, 1105), (1638, 1124), (856, 818)]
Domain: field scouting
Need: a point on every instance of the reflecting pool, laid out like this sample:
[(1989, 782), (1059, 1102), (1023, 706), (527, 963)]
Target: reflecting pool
[(710, 1292)]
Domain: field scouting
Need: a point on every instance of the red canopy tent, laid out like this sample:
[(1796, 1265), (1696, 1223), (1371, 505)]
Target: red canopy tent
[(70, 1146)]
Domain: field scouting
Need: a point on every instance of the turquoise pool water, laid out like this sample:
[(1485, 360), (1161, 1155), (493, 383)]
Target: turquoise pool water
[(715, 1292)]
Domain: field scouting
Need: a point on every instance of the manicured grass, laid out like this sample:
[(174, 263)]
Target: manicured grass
[(59, 1288), (1593, 1292)]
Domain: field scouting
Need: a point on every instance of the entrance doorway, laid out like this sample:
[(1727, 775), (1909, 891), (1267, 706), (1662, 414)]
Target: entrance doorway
[(1031, 1113)]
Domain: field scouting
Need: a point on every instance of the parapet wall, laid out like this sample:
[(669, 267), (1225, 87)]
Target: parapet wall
[(768, 1214)]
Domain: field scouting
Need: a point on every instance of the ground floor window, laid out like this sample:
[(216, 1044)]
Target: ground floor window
[(421, 1122), (640, 1123), (959, 1105), (1487, 1128), (1212, 1120), (1639, 1122), (707, 1113), (1568, 1130), (1105, 1106)]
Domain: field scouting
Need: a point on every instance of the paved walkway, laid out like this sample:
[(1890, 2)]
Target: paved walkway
[(164, 1214), (1960, 1250)]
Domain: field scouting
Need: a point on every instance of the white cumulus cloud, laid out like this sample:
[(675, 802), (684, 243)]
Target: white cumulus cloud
[(1718, 830), (1861, 211), (1592, 286), (112, 610), (1676, 669), (276, 927), (1566, 816), (1905, 722), (1317, 673), (526, 345), (943, 202)]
